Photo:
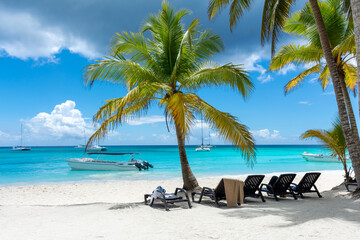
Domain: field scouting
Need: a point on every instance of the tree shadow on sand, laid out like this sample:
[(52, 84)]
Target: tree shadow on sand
[(295, 212)]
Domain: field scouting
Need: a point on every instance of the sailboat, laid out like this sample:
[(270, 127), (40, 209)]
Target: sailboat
[(202, 147), (209, 145), (21, 147), (80, 145), (95, 147)]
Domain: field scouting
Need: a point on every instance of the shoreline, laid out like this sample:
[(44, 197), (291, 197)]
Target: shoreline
[(42, 183)]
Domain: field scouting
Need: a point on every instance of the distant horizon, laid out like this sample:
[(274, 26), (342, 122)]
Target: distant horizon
[(169, 145)]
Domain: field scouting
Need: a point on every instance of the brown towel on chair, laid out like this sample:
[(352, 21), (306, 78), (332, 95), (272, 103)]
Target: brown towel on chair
[(234, 191)]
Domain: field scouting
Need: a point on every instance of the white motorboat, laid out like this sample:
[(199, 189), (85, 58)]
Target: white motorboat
[(96, 148), (87, 163), (21, 147), (202, 148), (319, 157)]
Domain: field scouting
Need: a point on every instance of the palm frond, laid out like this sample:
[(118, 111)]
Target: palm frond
[(181, 108), (228, 127), (297, 81), (297, 54), (350, 76), (324, 77), (275, 13), (229, 75)]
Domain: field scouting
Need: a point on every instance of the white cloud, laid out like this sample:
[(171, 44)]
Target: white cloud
[(24, 36), (288, 68), (65, 121), (263, 78), (267, 134), (305, 103), (147, 120), (250, 62), (313, 80)]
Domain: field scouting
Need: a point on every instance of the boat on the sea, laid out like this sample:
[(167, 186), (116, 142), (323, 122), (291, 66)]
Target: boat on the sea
[(88, 163), (202, 148), (319, 157), (21, 147), (95, 147)]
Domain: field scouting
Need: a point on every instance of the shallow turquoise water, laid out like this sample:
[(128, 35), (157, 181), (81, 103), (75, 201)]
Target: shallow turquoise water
[(48, 164)]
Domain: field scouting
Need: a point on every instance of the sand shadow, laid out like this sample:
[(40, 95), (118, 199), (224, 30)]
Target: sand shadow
[(295, 212)]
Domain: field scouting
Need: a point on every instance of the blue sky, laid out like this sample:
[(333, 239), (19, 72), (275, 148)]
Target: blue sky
[(44, 47)]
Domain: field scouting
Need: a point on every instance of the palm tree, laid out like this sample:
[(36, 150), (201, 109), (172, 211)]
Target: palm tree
[(341, 37), (332, 140), (353, 9), (274, 15), (167, 69)]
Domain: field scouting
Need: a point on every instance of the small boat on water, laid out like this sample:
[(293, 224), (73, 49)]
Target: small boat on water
[(319, 157), (87, 163), (202, 148), (95, 147), (21, 147)]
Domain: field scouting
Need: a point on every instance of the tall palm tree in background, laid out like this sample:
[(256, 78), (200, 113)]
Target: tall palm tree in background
[(167, 69), (333, 141), (275, 13), (353, 9), (341, 37)]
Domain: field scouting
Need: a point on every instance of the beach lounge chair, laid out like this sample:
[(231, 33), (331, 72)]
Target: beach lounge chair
[(306, 184), (279, 186), (166, 198), (230, 190), (252, 185), (347, 184)]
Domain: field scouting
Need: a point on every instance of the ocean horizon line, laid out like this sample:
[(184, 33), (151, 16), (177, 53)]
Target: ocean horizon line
[(169, 145)]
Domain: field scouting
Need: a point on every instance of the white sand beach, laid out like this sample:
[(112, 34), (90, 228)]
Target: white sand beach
[(115, 210)]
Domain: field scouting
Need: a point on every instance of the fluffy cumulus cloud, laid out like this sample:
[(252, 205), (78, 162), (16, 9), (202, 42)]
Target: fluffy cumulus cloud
[(40, 29), (250, 62), (64, 122), (24, 36), (266, 134)]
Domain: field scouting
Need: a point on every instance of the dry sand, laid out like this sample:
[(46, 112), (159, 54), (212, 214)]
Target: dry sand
[(115, 210)]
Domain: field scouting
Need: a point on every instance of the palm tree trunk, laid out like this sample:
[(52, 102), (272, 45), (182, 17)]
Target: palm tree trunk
[(190, 182), (355, 7), (353, 147)]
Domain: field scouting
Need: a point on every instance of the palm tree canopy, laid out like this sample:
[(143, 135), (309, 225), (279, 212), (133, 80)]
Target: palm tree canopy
[(341, 38), (166, 69), (333, 140), (275, 13)]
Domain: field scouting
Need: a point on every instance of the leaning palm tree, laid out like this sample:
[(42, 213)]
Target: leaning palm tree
[(341, 36), (167, 69), (275, 13), (333, 141)]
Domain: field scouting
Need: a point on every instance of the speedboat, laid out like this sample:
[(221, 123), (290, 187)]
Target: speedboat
[(319, 157), (96, 148), (20, 148), (202, 148), (88, 163)]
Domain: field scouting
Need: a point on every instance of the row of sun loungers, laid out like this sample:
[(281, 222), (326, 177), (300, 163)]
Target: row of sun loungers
[(251, 187)]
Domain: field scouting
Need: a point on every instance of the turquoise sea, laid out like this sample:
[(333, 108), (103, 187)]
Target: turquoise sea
[(48, 164)]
